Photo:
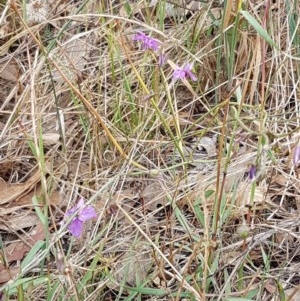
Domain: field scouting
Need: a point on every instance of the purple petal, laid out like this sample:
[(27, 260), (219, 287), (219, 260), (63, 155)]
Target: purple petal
[(187, 67), (191, 75), (147, 42), (153, 44), (80, 203), (139, 36), (184, 72), (188, 73), (178, 74), (252, 173), (71, 211), (76, 227), (87, 213)]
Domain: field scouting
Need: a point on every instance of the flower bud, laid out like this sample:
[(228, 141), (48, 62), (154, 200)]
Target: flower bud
[(243, 231)]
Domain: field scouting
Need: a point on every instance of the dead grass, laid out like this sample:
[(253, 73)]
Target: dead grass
[(86, 112)]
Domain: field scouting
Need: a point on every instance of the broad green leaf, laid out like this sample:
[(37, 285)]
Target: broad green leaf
[(25, 282), (31, 256), (148, 291)]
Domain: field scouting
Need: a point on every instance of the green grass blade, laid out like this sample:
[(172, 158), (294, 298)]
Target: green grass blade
[(32, 253), (259, 29), (149, 291), (38, 210)]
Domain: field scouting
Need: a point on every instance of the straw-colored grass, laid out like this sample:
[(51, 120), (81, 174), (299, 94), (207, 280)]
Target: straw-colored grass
[(85, 111)]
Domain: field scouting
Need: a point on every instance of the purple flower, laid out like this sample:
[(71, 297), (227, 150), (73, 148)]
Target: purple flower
[(252, 172), (84, 213), (147, 42), (296, 157), (184, 72)]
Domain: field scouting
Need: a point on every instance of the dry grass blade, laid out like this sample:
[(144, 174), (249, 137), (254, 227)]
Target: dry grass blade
[(177, 123)]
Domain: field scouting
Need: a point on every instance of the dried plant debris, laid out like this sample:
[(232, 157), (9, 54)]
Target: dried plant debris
[(176, 125), (71, 58), (37, 11), (132, 268), (9, 69), (154, 196), (16, 251)]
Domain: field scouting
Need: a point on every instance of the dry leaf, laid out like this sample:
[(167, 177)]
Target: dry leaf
[(279, 179), (184, 118), (293, 294), (181, 9), (230, 257), (17, 251), (15, 191), (9, 71), (135, 8), (154, 196), (207, 145), (134, 265), (198, 152), (6, 275), (76, 167), (16, 222), (243, 197), (26, 201), (281, 237), (3, 184), (54, 197), (73, 54), (51, 138)]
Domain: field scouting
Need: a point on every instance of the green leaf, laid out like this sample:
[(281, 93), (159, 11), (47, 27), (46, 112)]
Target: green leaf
[(25, 282), (31, 256), (53, 290), (258, 28), (148, 291), (38, 210), (209, 193)]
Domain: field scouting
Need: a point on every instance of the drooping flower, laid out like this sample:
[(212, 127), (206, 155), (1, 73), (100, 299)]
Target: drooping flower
[(184, 72), (296, 157), (147, 42), (252, 172), (84, 213)]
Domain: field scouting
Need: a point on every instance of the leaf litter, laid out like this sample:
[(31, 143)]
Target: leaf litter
[(172, 204)]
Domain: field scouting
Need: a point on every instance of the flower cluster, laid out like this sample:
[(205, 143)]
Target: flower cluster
[(182, 73), (147, 42), (84, 213)]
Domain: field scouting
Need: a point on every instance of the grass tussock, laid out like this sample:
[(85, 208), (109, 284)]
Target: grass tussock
[(178, 124)]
